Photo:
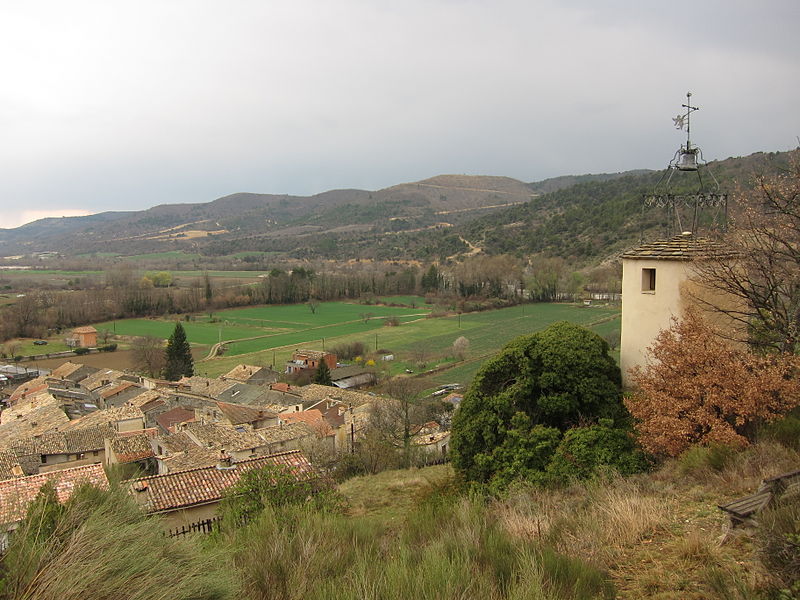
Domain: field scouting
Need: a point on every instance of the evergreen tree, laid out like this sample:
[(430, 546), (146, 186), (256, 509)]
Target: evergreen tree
[(323, 374), (178, 355)]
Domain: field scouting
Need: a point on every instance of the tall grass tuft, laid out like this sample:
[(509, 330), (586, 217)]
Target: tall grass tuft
[(102, 546), (448, 549)]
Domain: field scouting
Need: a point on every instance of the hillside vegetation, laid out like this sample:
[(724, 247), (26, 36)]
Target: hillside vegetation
[(582, 218)]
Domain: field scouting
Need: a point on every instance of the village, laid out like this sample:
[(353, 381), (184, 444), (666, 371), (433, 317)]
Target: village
[(178, 444)]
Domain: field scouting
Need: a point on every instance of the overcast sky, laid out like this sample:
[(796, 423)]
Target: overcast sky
[(110, 105)]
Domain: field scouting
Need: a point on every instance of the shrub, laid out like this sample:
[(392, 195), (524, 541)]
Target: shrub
[(585, 449), (81, 351), (778, 537), (714, 457), (785, 431), (108, 348)]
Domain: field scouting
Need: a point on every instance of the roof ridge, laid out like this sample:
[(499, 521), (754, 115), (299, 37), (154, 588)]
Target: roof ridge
[(241, 462)]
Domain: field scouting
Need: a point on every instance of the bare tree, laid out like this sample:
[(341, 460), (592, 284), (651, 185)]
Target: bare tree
[(394, 417), (313, 305), (461, 347), (757, 264), (148, 355)]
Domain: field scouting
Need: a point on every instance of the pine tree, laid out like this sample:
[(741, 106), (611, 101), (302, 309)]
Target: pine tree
[(178, 355), (323, 374)]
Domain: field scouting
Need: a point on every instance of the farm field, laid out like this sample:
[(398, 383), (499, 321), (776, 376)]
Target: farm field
[(422, 340), (273, 326)]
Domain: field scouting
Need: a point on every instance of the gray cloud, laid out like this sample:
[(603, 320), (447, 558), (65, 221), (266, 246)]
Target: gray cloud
[(112, 106)]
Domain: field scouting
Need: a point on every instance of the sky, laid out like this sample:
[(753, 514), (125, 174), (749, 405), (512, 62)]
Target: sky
[(109, 105)]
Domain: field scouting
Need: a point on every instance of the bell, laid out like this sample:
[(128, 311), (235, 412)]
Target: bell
[(688, 160)]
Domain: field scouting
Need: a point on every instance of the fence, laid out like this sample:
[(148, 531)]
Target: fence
[(204, 527)]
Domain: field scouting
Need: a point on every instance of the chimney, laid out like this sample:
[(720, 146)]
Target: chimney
[(225, 462)]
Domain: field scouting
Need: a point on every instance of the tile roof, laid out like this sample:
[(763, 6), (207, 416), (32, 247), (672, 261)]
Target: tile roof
[(316, 392), (176, 442), (17, 494), (131, 448), (182, 489), (144, 397), (174, 417), (205, 386), (285, 433), (105, 416), (116, 389), (680, 247), (210, 435), (313, 418), (189, 459), (65, 370), (28, 388), (85, 329), (238, 414), (245, 373), (65, 442), (99, 379), (9, 465), (31, 417)]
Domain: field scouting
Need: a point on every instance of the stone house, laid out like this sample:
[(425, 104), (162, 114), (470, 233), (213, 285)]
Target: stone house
[(191, 496)]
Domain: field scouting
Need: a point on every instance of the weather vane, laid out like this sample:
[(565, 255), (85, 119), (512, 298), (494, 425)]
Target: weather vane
[(687, 158)]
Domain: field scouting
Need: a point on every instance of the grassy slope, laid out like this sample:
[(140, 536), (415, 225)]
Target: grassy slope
[(658, 535)]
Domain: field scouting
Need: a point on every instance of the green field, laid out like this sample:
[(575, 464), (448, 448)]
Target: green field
[(429, 340), (269, 334), (273, 325)]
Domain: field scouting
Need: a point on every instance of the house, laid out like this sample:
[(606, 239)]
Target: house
[(240, 417), (83, 337), (133, 449), (353, 377), (657, 286), (251, 374), (58, 450), (431, 439), (189, 497), (309, 360), (16, 494), (121, 418)]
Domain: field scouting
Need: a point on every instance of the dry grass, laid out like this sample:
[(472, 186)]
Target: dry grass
[(659, 535)]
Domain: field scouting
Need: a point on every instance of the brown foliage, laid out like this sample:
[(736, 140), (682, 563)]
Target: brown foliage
[(699, 389)]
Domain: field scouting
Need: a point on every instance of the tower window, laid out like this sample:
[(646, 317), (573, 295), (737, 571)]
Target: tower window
[(648, 280)]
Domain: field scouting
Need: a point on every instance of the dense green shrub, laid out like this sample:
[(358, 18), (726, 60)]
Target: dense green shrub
[(81, 351), (108, 348), (537, 387), (585, 449)]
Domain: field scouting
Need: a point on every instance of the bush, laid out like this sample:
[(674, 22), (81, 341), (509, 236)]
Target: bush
[(778, 538), (108, 348), (785, 431), (81, 351), (585, 449), (714, 457), (348, 351)]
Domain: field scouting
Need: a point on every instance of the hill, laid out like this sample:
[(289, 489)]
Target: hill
[(582, 218)]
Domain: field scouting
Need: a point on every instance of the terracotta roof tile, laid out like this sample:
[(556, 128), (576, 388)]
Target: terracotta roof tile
[(85, 329), (238, 413), (313, 418), (17, 494), (172, 491), (105, 416), (131, 448), (9, 465)]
